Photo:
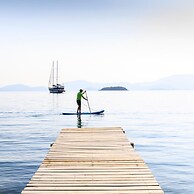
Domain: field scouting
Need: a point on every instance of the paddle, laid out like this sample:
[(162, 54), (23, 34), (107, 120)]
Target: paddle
[(88, 102)]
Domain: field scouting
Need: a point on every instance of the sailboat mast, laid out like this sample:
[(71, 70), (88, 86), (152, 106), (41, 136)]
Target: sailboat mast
[(53, 74), (51, 77), (57, 74)]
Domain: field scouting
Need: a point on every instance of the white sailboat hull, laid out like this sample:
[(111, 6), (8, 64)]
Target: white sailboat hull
[(54, 87), (57, 89)]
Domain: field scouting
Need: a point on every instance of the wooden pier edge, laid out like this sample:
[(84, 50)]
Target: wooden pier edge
[(92, 160)]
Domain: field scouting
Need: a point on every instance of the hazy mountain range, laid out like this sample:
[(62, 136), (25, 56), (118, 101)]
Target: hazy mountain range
[(22, 87), (176, 82)]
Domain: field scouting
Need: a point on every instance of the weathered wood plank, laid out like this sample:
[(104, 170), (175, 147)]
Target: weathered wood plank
[(91, 188), (95, 192)]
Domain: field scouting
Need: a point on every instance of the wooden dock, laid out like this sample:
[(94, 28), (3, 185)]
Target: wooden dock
[(92, 160)]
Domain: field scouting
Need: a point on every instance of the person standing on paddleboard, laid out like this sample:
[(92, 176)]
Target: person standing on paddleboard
[(79, 97)]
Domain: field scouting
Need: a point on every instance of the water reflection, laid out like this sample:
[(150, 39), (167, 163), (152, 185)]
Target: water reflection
[(79, 121)]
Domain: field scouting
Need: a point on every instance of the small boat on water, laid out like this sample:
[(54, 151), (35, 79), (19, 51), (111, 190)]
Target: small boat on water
[(54, 86)]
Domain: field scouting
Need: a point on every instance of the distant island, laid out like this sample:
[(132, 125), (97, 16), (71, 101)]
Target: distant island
[(114, 88)]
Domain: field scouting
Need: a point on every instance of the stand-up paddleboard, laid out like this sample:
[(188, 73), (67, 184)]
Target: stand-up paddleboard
[(84, 113)]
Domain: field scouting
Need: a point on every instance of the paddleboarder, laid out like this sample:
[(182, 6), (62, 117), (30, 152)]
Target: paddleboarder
[(79, 97)]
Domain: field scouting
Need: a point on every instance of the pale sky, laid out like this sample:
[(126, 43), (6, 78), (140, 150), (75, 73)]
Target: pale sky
[(95, 40)]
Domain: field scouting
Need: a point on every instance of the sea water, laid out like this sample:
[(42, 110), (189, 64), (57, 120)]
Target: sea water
[(159, 123)]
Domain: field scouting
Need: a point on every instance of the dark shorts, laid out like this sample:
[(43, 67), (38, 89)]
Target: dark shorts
[(79, 102)]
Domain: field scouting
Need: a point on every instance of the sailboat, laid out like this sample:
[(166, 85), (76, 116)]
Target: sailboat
[(54, 86)]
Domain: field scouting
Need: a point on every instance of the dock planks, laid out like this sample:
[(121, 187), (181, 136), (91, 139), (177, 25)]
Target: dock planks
[(92, 160)]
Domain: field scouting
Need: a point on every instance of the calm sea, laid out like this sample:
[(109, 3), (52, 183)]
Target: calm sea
[(160, 123)]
